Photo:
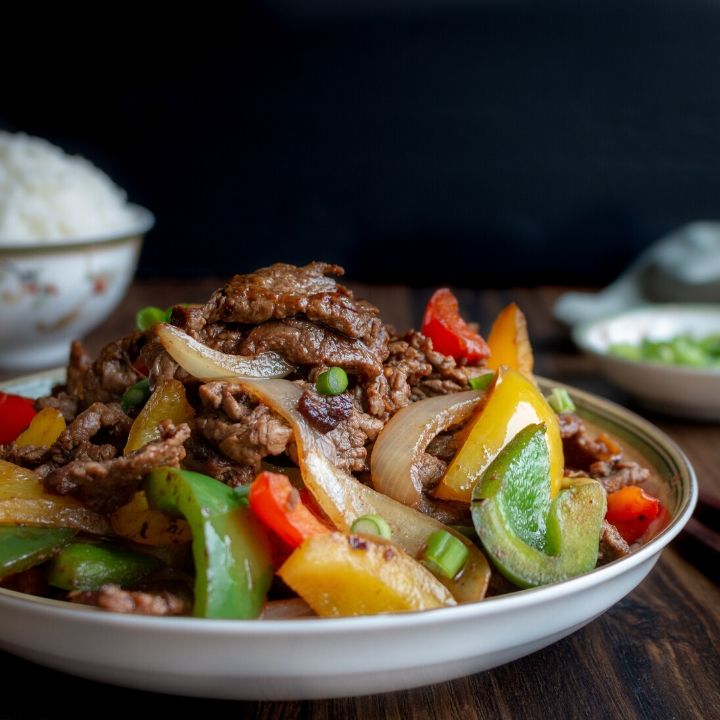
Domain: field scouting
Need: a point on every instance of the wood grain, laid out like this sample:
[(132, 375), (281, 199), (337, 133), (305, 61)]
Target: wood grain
[(653, 655)]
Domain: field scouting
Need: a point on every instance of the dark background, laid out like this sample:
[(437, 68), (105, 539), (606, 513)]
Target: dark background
[(481, 143)]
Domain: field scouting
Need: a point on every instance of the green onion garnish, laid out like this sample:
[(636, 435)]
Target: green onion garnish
[(243, 492), (136, 395), (332, 382), (481, 381), (445, 555), (372, 525), (149, 317), (560, 401)]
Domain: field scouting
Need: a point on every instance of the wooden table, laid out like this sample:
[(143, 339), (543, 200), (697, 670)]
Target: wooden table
[(656, 654)]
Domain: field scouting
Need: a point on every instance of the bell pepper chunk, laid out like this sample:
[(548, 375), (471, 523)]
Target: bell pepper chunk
[(44, 429), (279, 506), (85, 566), (449, 333), (167, 402), (528, 545), (631, 510), (23, 547), (341, 575), (135, 521), (513, 403), (233, 568), (16, 413), (509, 341)]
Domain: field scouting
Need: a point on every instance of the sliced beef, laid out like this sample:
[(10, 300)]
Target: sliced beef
[(612, 544), (204, 458), (135, 602), (619, 474), (246, 431), (241, 429), (325, 412), (97, 433), (302, 342), (106, 485), (109, 376), (580, 448), (284, 291)]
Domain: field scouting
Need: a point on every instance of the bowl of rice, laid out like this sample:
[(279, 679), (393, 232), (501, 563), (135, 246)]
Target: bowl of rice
[(69, 246)]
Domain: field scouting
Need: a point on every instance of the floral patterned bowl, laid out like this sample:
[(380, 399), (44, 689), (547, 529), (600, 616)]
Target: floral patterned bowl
[(51, 293)]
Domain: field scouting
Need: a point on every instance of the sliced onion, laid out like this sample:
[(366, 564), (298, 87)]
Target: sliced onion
[(398, 448), (51, 512), (344, 499), (207, 364)]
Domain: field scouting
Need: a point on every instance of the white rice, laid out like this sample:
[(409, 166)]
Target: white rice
[(48, 196)]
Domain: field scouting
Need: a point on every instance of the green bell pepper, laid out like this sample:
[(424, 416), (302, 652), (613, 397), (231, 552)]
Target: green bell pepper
[(23, 547), (233, 568), (531, 539), (86, 566)]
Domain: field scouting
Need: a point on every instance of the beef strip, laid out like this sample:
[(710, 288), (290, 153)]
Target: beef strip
[(109, 376), (284, 291), (246, 432), (106, 485), (202, 457), (325, 412), (612, 544), (302, 342), (136, 602), (598, 457), (619, 474), (108, 423), (580, 448), (243, 430)]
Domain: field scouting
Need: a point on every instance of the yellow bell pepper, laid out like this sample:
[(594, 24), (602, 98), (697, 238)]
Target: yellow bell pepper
[(24, 501), (340, 575), (137, 522), (168, 402), (44, 429), (509, 341), (513, 403)]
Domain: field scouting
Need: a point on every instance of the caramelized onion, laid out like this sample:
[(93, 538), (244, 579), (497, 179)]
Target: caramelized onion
[(399, 447), (344, 499), (207, 364)]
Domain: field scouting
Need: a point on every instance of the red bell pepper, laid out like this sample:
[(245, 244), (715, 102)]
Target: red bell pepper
[(449, 333), (16, 412), (279, 506), (631, 510)]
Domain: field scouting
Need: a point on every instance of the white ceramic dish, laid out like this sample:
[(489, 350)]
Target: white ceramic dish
[(678, 390), (314, 658), (52, 293)]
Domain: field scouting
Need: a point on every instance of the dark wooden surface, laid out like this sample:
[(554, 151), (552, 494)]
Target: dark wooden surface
[(656, 654)]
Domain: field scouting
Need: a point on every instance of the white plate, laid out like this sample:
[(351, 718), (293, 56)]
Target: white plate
[(323, 658), (678, 390)]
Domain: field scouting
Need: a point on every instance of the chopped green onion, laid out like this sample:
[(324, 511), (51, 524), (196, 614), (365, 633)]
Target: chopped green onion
[(481, 382), (560, 401), (136, 395), (372, 525), (332, 382), (445, 555), (148, 317), (243, 492)]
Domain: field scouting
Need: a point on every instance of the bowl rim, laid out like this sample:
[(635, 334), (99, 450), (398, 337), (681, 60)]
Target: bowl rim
[(142, 223), (649, 433), (581, 332)]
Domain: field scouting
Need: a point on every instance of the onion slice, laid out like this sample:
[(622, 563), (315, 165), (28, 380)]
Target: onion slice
[(344, 499), (400, 445), (207, 364)]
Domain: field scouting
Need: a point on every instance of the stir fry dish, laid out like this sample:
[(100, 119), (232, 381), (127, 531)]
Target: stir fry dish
[(280, 452)]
